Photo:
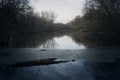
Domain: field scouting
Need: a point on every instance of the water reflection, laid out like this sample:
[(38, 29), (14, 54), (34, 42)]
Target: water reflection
[(78, 70), (63, 42), (46, 40)]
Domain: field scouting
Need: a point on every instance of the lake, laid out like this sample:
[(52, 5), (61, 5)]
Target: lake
[(56, 56), (55, 40), (63, 42), (33, 64), (66, 71)]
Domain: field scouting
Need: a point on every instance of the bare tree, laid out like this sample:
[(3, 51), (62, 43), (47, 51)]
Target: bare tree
[(110, 8), (49, 16)]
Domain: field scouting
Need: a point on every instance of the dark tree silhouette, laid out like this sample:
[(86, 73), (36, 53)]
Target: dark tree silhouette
[(100, 22), (10, 12)]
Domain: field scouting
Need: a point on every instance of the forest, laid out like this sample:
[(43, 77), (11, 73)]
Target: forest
[(17, 16), (100, 22)]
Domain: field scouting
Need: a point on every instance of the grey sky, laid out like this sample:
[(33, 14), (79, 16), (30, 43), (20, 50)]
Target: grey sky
[(65, 9)]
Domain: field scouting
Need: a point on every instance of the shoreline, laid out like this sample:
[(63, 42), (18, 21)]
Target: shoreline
[(17, 55)]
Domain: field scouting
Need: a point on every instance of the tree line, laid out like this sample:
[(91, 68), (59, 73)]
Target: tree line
[(17, 16), (100, 22)]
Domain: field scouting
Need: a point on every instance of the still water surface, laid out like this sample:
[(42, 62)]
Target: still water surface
[(63, 42), (77, 70), (70, 66), (42, 41)]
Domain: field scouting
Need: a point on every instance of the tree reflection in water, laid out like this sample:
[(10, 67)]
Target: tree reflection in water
[(30, 40), (48, 45), (46, 40)]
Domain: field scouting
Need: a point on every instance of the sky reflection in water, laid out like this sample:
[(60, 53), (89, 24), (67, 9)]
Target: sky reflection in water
[(64, 42), (69, 71), (78, 70)]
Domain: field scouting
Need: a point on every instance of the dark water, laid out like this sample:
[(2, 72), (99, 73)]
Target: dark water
[(55, 40), (64, 65), (63, 42), (34, 65), (78, 70)]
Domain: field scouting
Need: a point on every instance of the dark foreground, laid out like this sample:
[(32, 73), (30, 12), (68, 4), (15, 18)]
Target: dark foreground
[(33, 64)]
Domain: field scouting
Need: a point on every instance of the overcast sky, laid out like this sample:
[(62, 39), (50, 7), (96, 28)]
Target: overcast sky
[(65, 9)]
